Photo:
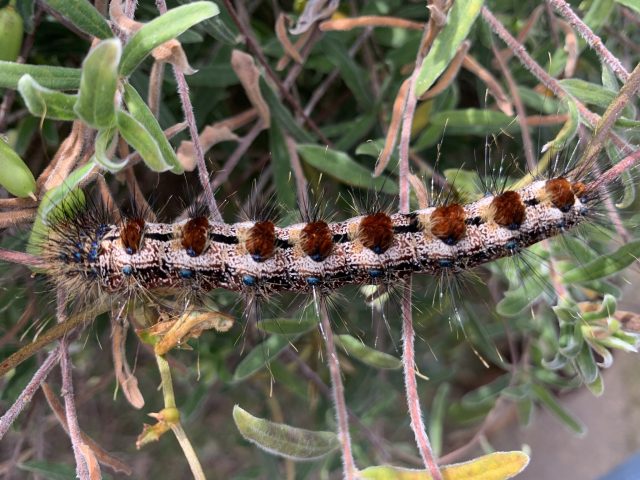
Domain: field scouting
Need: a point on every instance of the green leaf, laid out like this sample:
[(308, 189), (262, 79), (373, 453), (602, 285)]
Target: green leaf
[(367, 355), (632, 4), (11, 32), (162, 29), (50, 471), (98, 84), (604, 265), (342, 167), (260, 356), (586, 364), (283, 440), (593, 94), (288, 326), (58, 78), (352, 74), (25, 8), (473, 121), (597, 386), (82, 15), (568, 130), (461, 18), (104, 143), (58, 200), (46, 103), (494, 466), (142, 113), (281, 164), (550, 403), (519, 297), (142, 141), (436, 417), (283, 116), (15, 176)]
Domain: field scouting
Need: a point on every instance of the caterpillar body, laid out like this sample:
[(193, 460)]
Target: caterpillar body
[(262, 258)]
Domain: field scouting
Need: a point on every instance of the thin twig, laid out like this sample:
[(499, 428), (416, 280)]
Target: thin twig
[(590, 37), (187, 108), (82, 466), (349, 468), (28, 391)]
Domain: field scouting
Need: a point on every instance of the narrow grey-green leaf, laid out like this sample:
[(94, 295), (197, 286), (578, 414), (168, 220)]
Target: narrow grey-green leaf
[(604, 265), (142, 113), (593, 94), (140, 139), (568, 130), (461, 18), (46, 103), (367, 355), (632, 4), (283, 440), (283, 116), (342, 167), (586, 364), (163, 28), (82, 15), (288, 326), (98, 84), (103, 150), (58, 199), (473, 121), (59, 78), (15, 176), (436, 417), (550, 403), (261, 354)]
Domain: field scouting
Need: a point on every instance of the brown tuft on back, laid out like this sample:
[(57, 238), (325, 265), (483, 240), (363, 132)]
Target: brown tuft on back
[(131, 234), (579, 189), (509, 210), (316, 240), (560, 193), (447, 223), (195, 235), (261, 241), (376, 232)]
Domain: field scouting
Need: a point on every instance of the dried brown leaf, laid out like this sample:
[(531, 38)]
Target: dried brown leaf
[(210, 136), (419, 188), (314, 11), (394, 128), (92, 462), (281, 33), (342, 24), (171, 52), (249, 75), (123, 22)]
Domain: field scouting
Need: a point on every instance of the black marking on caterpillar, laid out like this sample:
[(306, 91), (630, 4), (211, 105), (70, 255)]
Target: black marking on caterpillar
[(362, 249)]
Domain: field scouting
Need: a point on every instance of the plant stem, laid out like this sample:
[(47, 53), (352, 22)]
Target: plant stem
[(349, 469), (176, 426), (411, 385), (28, 391), (591, 38)]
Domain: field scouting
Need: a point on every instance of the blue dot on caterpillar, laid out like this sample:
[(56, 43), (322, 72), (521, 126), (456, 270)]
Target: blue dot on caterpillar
[(264, 259)]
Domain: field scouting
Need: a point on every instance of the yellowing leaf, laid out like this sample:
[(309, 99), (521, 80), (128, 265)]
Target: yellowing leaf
[(495, 466)]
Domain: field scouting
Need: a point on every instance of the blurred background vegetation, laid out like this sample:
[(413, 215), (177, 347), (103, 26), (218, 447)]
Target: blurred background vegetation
[(488, 343)]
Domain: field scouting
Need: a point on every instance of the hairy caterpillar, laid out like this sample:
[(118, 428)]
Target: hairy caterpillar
[(258, 256)]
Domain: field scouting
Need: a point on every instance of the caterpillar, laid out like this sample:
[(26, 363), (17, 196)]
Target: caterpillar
[(265, 259)]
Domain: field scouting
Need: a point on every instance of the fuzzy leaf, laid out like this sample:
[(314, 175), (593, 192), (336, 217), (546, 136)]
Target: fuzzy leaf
[(461, 18), (15, 176), (161, 29), (494, 466), (139, 138), (95, 104), (141, 112), (342, 167), (260, 356), (46, 103), (473, 121), (59, 78), (283, 440), (103, 149), (550, 403), (367, 355), (604, 265), (82, 15)]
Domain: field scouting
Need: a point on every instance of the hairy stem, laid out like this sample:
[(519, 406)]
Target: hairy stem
[(350, 471), (591, 38), (28, 391)]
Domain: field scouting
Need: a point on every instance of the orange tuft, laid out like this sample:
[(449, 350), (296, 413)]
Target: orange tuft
[(316, 240), (560, 193), (131, 234), (195, 234), (509, 211), (579, 189), (261, 241), (376, 232), (447, 223)]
